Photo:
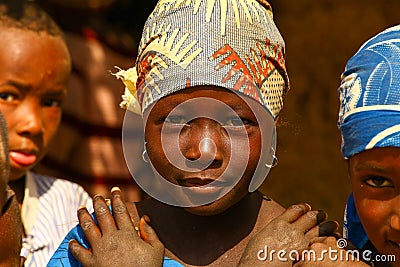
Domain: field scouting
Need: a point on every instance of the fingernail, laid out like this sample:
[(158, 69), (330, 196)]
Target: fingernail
[(321, 216), (308, 206), (115, 188), (146, 218), (81, 209), (327, 228), (95, 197), (304, 207)]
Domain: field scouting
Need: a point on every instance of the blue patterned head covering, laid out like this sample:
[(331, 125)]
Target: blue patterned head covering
[(369, 113), (227, 43), (369, 95)]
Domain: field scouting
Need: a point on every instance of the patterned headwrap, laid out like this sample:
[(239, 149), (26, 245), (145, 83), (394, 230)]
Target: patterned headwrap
[(232, 44), (369, 113)]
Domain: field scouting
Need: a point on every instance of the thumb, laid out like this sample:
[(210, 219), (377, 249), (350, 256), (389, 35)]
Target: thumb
[(80, 253), (147, 233)]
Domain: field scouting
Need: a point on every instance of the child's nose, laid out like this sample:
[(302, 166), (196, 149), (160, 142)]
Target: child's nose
[(203, 142), (30, 122)]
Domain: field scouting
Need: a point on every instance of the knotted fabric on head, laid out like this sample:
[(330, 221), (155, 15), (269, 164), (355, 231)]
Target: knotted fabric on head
[(233, 44), (369, 95)]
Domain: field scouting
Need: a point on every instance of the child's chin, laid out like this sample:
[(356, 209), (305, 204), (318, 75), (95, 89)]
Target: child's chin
[(206, 210)]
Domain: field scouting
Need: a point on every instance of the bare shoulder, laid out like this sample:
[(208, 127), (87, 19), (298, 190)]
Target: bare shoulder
[(269, 210)]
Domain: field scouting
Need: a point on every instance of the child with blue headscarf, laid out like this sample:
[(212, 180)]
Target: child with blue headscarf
[(369, 122)]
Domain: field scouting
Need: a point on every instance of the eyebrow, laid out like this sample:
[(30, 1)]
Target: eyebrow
[(19, 85), (369, 166), (26, 88)]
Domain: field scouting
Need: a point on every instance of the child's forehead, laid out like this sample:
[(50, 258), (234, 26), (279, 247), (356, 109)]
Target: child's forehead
[(204, 98), (379, 160)]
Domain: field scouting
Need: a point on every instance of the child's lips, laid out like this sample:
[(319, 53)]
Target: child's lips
[(22, 158), (200, 185)]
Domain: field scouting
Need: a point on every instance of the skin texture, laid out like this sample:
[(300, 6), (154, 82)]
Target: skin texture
[(192, 147), (215, 234), (375, 182), (34, 71), (117, 240)]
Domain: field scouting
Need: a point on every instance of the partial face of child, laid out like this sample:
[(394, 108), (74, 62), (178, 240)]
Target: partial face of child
[(34, 71), (204, 139), (375, 180)]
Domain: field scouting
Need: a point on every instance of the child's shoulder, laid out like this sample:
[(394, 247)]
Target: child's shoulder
[(269, 210), (47, 184)]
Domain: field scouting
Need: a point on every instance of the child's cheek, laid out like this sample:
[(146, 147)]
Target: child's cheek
[(374, 215)]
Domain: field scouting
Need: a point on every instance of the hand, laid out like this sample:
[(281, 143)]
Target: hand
[(293, 230), (114, 241), (339, 258)]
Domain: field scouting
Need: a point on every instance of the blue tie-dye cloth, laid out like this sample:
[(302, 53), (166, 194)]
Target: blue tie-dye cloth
[(353, 229), (369, 93), (63, 257)]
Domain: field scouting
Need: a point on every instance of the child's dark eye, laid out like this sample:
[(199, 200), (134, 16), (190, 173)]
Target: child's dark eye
[(51, 102), (378, 182), (237, 122), (175, 119), (7, 97)]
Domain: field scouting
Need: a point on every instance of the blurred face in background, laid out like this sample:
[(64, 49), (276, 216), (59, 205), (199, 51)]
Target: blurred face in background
[(34, 71)]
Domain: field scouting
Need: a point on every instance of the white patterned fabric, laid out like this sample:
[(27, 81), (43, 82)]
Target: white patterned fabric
[(233, 44), (48, 213)]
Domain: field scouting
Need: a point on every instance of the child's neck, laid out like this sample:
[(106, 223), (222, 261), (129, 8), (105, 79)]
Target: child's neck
[(202, 239)]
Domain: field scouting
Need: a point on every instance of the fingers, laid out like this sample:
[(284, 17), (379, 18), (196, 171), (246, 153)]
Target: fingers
[(89, 227), (103, 214), (294, 212), (80, 253), (328, 228), (322, 230), (148, 234), (120, 212), (310, 219)]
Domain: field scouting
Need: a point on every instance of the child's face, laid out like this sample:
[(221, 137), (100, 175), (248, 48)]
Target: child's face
[(34, 71), (208, 137), (375, 180)]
